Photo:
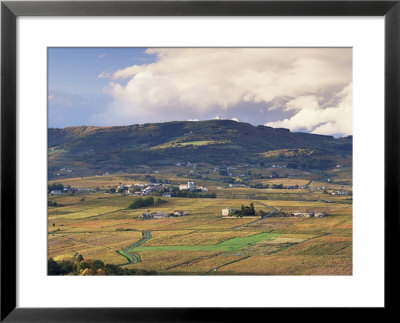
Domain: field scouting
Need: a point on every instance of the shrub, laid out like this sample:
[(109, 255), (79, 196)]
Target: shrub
[(53, 203)]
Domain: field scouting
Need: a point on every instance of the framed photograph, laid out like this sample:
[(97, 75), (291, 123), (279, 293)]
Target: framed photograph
[(195, 160)]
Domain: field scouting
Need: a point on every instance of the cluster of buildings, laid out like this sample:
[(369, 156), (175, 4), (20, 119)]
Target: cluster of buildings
[(69, 189), (140, 189), (309, 214), (340, 193), (162, 215), (191, 186), (316, 188)]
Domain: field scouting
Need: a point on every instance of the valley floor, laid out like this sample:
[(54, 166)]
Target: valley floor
[(101, 227)]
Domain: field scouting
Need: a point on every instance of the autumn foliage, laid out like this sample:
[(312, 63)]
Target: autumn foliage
[(86, 267)]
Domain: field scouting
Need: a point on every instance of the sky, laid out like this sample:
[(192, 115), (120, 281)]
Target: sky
[(302, 89)]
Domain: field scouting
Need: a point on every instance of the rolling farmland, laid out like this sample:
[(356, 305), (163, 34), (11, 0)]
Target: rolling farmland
[(102, 227)]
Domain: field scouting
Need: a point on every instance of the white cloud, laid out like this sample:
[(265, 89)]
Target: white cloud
[(235, 119), (188, 83), (102, 55), (309, 115), (104, 75)]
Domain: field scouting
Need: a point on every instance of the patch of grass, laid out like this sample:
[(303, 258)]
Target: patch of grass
[(196, 143), (234, 244)]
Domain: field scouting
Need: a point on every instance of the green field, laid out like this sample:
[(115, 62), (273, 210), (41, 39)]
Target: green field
[(234, 244), (196, 143)]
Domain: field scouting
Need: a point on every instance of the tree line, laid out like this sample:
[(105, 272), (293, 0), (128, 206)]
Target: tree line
[(83, 267)]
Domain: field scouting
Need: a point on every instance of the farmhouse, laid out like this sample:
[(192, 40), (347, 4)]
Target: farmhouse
[(155, 215), (303, 214), (319, 214), (55, 192), (311, 214), (228, 212), (179, 213), (340, 193)]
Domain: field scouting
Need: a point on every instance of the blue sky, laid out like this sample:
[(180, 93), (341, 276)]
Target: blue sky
[(76, 92), (300, 89)]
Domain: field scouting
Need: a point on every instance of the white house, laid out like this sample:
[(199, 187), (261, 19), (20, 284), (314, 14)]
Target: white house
[(226, 211), (155, 215), (303, 214), (340, 193), (179, 213)]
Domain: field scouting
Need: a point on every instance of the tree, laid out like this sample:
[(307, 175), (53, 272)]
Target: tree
[(141, 202), (252, 210), (59, 268), (52, 267), (55, 187)]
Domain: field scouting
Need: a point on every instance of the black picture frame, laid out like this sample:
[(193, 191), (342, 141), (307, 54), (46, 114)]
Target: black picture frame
[(10, 10)]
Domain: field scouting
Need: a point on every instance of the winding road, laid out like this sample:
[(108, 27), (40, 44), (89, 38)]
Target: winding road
[(134, 258)]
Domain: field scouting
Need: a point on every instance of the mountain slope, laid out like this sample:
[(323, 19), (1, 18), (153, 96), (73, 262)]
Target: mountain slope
[(212, 141)]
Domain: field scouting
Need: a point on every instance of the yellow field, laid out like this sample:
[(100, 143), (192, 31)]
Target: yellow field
[(98, 225), (297, 265), (287, 181), (103, 182)]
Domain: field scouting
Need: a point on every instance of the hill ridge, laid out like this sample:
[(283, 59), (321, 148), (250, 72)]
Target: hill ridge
[(212, 141)]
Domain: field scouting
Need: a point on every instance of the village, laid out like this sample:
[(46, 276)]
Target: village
[(162, 188), (165, 189)]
